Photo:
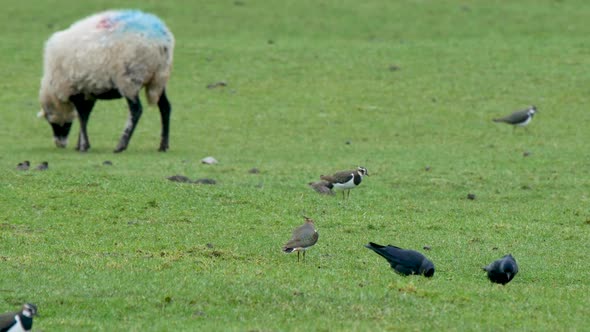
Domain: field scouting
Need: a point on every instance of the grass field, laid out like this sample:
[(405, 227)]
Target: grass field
[(408, 84)]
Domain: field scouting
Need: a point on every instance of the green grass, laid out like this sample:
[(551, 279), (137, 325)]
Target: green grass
[(102, 248)]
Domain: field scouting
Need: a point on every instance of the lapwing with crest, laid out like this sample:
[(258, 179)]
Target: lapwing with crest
[(303, 237), (519, 118), (346, 180), (20, 321)]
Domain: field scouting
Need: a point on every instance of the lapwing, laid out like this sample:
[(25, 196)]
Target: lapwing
[(519, 118), (404, 262), (503, 270), (303, 237), (346, 180), (18, 321), (42, 166), (322, 187), (24, 166)]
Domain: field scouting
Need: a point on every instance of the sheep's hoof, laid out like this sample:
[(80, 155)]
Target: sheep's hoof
[(82, 148), (60, 142), (119, 149), (163, 149)]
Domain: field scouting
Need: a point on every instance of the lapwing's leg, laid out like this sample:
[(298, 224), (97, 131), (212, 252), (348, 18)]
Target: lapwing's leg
[(304, 256), (297, 256), (348, 194)]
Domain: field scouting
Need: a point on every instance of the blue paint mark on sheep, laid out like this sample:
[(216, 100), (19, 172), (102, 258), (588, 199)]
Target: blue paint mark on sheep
[(138, 21)]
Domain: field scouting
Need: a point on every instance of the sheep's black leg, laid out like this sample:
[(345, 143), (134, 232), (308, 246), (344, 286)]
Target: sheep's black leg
[(165, 109), (83, 107), (135, 111)]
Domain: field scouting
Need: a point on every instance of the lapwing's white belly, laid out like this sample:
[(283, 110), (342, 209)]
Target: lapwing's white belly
[(526, 122), (17, 327), (347, 185)]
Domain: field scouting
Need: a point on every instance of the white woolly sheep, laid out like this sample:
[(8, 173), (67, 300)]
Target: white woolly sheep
[(108, 55)]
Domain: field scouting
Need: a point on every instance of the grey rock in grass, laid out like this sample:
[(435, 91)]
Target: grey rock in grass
[(43, 166), (503, 270), (19, 321), (254, 170), (209, 160), (107, 163), (403, 261), (24, 166), (322, 187), (303, 238), (471, 196)]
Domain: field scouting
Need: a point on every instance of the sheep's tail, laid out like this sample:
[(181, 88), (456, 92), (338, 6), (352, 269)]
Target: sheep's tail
[(153, 94), (157, 85), (155, 88)]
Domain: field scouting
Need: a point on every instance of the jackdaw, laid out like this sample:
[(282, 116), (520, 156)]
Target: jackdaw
[(502, 270), (404, 262)]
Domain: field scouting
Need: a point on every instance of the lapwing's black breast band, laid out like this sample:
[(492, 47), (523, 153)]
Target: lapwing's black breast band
[(357, 178)]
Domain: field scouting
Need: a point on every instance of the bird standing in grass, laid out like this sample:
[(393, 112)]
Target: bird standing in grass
[(24, 166), (42, 166), (519, 118), (303, 237), (18, 321), (404, 262), (346, 180), (502, 270)]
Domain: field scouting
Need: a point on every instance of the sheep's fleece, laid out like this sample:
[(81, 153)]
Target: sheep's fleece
[(108, 55)]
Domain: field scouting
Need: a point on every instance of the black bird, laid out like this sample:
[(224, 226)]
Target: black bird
[(42, 166), (519, 118), (404, 262), (24, 166), (18, 321), (346, 180), (502, 270)]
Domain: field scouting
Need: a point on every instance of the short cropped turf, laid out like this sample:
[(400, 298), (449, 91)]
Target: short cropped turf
[(406, 89)]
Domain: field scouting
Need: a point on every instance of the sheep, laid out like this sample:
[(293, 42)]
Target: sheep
[(108, 55)]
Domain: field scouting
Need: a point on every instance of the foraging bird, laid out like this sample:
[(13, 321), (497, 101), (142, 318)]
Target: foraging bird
[(24, 166), (519, 118), (303, 237), (502, 270), (322, 187), (404, 262), (18, 321), (179, 178), (42, 166), (346, 180)]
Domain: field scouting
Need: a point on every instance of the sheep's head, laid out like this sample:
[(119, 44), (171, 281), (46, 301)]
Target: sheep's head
[(60, 116)]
